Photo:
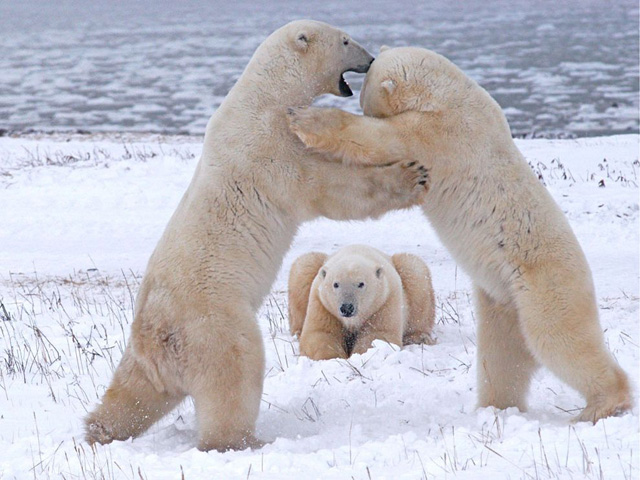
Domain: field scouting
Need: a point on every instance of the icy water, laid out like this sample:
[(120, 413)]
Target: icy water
[(558, 68)]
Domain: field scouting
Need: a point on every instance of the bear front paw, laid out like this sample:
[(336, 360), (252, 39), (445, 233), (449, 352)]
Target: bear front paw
[(408, 180), (313, 126), (418, 177)]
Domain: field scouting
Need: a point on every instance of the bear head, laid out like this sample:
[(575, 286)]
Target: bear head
[(320, 55), (411, 79), (352, 288)]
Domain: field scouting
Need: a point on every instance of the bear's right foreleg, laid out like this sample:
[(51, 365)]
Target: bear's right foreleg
[(322, 335), (343, 192), (130, 405)]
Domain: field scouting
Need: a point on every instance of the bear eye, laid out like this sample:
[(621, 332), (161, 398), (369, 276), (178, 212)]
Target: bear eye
[(361, 285), (345, 41), (336, 285)]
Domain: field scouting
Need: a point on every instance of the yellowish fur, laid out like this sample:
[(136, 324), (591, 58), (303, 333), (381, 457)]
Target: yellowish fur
[(392, 300)]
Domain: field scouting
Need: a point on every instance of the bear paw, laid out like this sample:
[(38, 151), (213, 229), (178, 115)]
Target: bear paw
[(97, 433), (408, 179), (315, 127)]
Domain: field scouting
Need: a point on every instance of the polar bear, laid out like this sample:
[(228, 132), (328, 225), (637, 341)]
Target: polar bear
[(339, 304), (535, 298), (194, 330)]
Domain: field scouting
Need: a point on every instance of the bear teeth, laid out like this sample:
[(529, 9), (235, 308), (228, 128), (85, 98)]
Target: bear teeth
[(345, 89)]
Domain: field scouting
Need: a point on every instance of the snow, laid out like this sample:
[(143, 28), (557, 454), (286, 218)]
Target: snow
[(79, 217)]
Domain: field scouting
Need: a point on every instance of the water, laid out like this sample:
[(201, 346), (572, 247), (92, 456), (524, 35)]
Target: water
[(558, 68)]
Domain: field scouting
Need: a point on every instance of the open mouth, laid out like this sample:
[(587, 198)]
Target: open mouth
[(345, 89)]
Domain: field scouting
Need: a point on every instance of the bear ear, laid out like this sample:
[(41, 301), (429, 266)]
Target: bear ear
[(323, 273), (388, 85), (378, 272), (302, 40), (384, 48)]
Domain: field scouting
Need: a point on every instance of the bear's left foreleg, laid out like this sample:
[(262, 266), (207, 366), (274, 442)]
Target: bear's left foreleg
[(387, 324), (419, 297)]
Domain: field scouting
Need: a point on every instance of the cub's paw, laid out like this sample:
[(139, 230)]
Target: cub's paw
[(419, 338)]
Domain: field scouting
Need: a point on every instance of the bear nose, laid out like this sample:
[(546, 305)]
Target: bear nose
[(347, 309)]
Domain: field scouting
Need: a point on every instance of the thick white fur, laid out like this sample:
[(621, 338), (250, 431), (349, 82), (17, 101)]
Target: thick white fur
[(535, 297), (392, 300), (194, 331)]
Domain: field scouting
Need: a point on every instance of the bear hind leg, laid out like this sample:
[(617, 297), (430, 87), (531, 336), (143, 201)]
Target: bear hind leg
[(130, 405), (227, 388), (504, 363), (563, 331)]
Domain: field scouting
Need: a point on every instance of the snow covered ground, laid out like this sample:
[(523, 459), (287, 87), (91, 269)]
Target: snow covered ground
[(79, 218)]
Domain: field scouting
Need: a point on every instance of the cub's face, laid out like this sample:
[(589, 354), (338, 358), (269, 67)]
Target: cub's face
[(402, 79), (326, 53), (352, 292)]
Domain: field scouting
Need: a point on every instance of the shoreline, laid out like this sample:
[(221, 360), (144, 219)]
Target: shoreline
[(133, 136)]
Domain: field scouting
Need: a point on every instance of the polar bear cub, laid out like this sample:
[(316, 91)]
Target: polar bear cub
[(339, 304), (195, 332), (535, 298)]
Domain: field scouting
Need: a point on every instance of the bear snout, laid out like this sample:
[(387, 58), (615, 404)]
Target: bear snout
[(363, 67), (347, 310)]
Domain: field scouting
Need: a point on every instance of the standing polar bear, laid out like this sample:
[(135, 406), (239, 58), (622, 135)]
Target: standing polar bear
[(194, 331), (340, 304), (535, 297)]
